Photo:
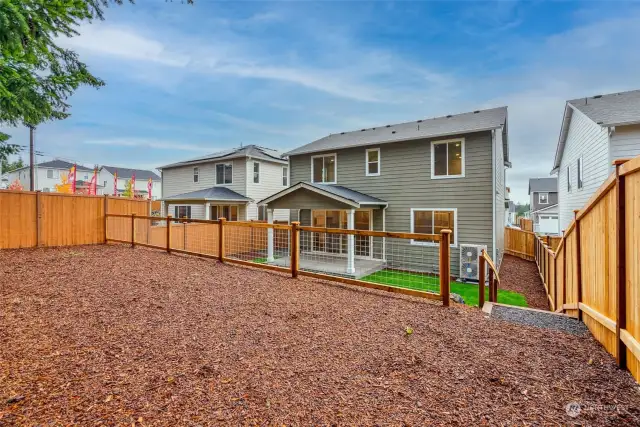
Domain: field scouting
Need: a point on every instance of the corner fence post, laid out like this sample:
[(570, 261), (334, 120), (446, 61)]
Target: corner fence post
[(168, 234), (481, 275), (445, 275), (295, 248), (133, 230), (621, 267), (104, 208), (491, 284), (221, 240), (578, 265)]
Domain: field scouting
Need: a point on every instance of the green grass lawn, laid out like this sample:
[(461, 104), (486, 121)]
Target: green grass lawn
[(468, 291)]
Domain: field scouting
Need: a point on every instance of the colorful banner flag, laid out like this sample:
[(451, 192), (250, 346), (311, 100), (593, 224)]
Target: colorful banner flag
[(149, 187), (72, 178), (92, 190), (115, 184)]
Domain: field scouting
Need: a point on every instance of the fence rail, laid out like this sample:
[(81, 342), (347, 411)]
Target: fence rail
[(593, 271), (373, 259)]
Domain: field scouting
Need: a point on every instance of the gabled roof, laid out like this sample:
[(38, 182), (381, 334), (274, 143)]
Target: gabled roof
[(337, 192), (548, 185), (57, 164), (476, 121), (253, 151), (211, 194), (614, 109), (545, 208), (128, 173)]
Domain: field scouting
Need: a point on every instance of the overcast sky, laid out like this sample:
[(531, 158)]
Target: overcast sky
[(187, 80)]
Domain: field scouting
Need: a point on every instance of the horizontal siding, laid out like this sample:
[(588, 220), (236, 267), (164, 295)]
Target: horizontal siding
[(625, 142), (553, 199), (180, 180), (405, 182), (499, 173), (589, 140), (270, 183)]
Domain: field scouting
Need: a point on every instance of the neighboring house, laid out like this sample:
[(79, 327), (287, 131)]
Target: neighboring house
[(106, 180), (225, 184), (48, 174), (422, 176), (511, 213), (595, 131), (543, 202)]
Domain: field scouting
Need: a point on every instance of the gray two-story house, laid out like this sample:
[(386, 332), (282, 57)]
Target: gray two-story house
[(543, 202), (422, 176)]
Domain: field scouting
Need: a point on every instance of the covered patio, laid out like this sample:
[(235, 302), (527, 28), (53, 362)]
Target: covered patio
[(333, 207)]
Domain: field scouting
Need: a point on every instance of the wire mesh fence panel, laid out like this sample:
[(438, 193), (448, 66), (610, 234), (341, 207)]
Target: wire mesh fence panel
[(119, 228), (261, 245), (384, 260)]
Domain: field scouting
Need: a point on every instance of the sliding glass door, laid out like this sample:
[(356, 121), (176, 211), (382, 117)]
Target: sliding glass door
[(337, 243)]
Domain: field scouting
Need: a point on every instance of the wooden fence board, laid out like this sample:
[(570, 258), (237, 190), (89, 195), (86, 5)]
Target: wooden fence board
[(17, 219), (632, 285), (519, 243)]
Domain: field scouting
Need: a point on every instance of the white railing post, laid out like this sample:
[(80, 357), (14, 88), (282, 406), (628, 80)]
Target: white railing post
[(270, 257), (351, 265)]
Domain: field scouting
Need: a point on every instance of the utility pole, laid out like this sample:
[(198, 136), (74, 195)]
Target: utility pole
[(32, 157)]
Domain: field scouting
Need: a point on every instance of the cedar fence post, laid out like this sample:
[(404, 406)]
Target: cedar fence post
[(106, 202), (491, 285), (168, 234), (621, 267), (578, 265), (295, 248), (481, 276), (445, 276), (38, 215), (221, 240), (133, 230), (564, 270)]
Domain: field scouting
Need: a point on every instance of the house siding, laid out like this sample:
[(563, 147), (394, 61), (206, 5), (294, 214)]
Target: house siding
[(553, 199), (270, 183), (589, 140), (405, 183), (625, 143), (499, 176)]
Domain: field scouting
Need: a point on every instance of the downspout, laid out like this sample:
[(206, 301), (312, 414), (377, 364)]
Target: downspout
[(493, 193)]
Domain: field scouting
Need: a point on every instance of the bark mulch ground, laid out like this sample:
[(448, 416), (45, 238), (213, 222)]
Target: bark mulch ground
[(110, 335), (519, 275)]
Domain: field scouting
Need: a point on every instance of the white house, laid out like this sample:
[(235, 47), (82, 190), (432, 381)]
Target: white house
[(595, 131), (225, 184), (48, 174), (106, 179), (543, 202)]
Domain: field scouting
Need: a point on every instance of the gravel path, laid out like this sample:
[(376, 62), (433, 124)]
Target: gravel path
[(114, 336), (540, 319), (522, 276)]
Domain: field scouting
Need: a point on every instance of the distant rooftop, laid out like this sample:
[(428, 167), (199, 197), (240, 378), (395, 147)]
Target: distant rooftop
[(253, 151), (453, 124), (58, 164), (543, 184), (611, 109), (127, 173)]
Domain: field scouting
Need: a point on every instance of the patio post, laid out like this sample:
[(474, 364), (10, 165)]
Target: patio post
[(350, 242), (270, 236), (207, 211)]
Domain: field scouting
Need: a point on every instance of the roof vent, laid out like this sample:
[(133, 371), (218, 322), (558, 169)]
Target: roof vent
[(362, 130), (599, 123), (393, 131), (449, 116), (341, 133), (420, 121), (388, 126), (597, 97), (476, 112)]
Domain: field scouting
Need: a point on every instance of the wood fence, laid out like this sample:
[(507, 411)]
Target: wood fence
[(31, 219), (519, 243), (594, 272), (526, 224)]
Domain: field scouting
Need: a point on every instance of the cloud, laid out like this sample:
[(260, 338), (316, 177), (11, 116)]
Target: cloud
[(148, 143)]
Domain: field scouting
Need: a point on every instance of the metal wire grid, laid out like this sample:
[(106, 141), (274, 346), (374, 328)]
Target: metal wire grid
[(252, 244)]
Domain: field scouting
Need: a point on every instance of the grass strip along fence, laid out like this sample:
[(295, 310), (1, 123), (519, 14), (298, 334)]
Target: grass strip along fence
[(593, 272), (283, 247)]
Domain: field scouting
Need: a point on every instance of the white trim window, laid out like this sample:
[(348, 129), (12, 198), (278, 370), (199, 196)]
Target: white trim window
[(196, 174), (447, 159), (433, 221), (580, 181), (228, 212), (543, 198), (372, 162), (224, 173), (569, 178), (50, 173), (285, 176), (256, 172), (324, 169), (182, 211)]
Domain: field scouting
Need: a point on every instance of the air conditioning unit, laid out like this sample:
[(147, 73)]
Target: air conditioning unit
[(470, 261)]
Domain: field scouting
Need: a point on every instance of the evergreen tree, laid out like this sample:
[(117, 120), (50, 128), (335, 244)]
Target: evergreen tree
[(128, 189), (11, 166)]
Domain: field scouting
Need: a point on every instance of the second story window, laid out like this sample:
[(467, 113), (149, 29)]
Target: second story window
[(447, 159), (224, 173), (196, 174), (543, 198), (49, 173), (256, 172), (569, 179), (580, 172), (323, 169), (285, 176), (373, 162)]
